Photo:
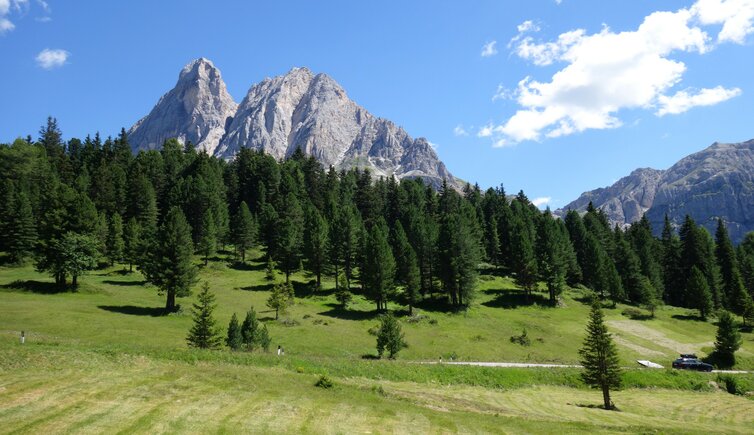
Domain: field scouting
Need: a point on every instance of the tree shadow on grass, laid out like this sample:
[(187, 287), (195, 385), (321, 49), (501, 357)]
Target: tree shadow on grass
[(124, 283), (514, 299), (435, 303), (369, 356), (693, 317), (337, 311), (133, 310), (259, 287), (41, 287), (238, 265), (595, 406)]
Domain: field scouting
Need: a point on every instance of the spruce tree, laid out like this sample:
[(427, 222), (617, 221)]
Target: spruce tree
[(315, 242), (524, 260), (698, 293), (249, 330), (727, 340), (599, 356), (733, 294), (263, 338), (245, 230), (234, 339), (551, 251), (169, 264), (289, 235), (672, 273), (390, 338), (115, 242), (207, 245), (131, 242), (204, 334), (281, 298), (20, 230), (407, 268), (378, 273)]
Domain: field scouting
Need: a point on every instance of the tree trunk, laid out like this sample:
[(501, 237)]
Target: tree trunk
[(287, 275), (170, 303), (410, 310), (206, 260), (337, 277), (319, 279), (74, 280), (606, 397), (276, 313), (130, 267)]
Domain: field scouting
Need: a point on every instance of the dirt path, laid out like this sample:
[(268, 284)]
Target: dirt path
[(534, 365)]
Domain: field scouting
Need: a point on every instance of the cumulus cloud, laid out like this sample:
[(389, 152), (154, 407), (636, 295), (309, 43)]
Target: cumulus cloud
[(682, 101), (489, 49), (460, 131), (49, 59), (607, 71), (542, 200), (736, 17), (486, 131)]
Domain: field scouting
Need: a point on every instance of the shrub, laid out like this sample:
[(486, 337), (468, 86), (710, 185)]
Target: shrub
[(731, 384), (522, 339), (324, 382), (636, 314)]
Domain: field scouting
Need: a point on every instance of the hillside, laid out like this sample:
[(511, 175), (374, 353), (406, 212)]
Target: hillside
[(108, 344)]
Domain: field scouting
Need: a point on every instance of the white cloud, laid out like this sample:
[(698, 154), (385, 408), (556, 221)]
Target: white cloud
[(736, 16), (527, 26), (486, 131), (607, 71), (489, 49), (460, 131), (433, 145), (682, 101), (49, 59), (17, 7), (557, 2), (542, 200)]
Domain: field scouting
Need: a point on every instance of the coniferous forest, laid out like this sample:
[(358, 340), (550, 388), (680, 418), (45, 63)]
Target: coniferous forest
[(72, 206)]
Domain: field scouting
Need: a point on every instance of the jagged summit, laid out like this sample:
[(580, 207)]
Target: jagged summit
[(299, 109), (197, 109)]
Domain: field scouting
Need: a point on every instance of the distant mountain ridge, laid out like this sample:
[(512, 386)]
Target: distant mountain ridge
[(280, 114), (715, 182)]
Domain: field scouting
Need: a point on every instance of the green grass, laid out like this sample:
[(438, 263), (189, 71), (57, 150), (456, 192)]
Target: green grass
[(104, 359)]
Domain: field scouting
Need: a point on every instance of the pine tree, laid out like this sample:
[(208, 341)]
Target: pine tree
[(551, 251), (19, 230), (698, 294), (378, 273), (524, 261), (207, 237), (315, 242), (249, 330), (269, 270), (115, 242), (245, 230), (734, 295), (131, 242), (289, 235), (599, 356), (263, 338), (280, 298), (727, 341), (169, 264), (672, 275), (407, 272), (234, 339), (204, 334), (390, 338)]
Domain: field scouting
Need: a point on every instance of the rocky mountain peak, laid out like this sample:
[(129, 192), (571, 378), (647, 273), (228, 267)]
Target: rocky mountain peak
[(717, 182), (197, 109)]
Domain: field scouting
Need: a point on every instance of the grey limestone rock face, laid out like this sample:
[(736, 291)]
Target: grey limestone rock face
[(717, 182), (297, 110), (197, 109)]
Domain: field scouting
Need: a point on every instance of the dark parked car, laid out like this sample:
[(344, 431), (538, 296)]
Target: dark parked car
[(685, 362)]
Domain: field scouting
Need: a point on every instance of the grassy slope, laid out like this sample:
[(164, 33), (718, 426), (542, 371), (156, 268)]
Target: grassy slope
[(102, 359)]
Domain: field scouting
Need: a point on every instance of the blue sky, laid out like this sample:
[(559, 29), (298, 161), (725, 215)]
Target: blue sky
[(612, 86)]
